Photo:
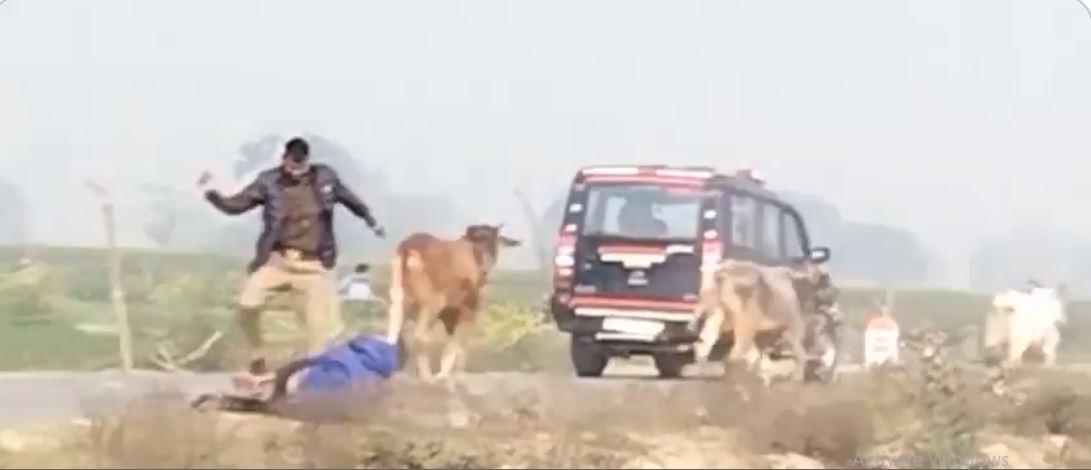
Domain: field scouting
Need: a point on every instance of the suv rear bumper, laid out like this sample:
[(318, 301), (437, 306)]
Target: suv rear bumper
[(587, 322)]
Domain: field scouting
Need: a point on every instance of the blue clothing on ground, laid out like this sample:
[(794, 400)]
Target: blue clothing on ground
[(362, 360)]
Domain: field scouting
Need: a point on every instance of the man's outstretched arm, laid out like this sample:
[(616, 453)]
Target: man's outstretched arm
[(346, 197), (249, 198)]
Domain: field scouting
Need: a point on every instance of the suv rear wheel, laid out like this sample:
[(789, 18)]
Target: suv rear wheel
[(588, 358), (670, 365)]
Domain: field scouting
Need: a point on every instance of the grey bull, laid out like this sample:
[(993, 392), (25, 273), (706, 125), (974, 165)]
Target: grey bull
[(761, 308)]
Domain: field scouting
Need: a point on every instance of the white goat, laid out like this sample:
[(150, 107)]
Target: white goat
[(1027, 318)]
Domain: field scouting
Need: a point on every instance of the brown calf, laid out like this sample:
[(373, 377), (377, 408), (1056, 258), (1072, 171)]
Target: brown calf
[(761, 306), (442, 280)]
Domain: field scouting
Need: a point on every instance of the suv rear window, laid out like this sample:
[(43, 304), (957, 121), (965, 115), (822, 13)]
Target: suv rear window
[(643, 211)]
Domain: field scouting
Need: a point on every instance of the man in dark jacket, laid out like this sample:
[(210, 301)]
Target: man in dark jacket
[(296, 248)]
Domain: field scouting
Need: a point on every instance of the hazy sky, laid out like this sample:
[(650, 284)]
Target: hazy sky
[(954, 119)]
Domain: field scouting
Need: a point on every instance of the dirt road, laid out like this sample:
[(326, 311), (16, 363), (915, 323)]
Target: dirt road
[(42, 398), (628, 419), (36, 398)]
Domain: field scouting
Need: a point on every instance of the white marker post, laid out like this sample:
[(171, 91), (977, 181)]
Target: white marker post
[(881, 341)]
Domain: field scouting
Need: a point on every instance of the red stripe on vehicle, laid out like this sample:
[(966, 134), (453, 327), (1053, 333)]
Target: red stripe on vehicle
[(663, 180)]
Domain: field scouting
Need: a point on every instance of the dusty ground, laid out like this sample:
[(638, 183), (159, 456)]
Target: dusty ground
[(538, 420)]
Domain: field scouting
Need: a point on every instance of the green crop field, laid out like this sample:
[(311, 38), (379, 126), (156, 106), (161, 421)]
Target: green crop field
[(58, 315)]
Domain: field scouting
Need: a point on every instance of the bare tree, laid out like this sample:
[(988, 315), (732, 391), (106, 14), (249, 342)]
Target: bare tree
[(541, 251), (117, 294)]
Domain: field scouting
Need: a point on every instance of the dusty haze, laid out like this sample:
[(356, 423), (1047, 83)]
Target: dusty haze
[(953, 120)]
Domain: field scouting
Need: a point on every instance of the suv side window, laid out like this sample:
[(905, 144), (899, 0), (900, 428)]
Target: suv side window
[(793, 236), (595, 208), (771, 246), (744, 222)]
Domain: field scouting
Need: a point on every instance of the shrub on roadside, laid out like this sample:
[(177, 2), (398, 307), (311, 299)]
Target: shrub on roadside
[(510, 336), (27, 294), (181, 313)]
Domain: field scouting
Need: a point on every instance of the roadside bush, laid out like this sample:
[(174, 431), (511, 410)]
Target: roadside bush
[(27, 294), (512, 336), (182, 313)]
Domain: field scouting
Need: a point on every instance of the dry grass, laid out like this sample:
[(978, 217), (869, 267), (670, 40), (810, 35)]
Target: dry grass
[(1060, 406), (553, 422), (540, 420), (558, 423)]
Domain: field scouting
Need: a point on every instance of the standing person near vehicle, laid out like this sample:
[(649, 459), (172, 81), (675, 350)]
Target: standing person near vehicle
[(296, 249)]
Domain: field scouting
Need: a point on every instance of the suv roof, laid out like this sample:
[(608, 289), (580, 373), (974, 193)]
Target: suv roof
[(744, 179)]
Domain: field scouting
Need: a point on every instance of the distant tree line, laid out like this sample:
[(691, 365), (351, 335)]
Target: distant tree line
[(889, 255)]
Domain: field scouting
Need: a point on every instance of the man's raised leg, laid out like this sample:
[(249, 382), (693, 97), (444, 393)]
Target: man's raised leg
[(251, 304)]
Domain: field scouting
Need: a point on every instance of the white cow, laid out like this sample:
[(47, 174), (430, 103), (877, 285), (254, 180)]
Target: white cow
[(1026, 318)]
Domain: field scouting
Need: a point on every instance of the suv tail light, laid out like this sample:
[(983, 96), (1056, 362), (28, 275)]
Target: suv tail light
[(711, 252), (564, 258)]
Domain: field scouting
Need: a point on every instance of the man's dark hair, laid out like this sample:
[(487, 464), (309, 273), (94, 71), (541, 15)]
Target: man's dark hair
[(298, 149)]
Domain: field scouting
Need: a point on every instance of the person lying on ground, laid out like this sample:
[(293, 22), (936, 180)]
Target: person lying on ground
[(354, 368)]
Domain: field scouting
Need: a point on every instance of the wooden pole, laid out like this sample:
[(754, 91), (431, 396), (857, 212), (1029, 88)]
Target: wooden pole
[(117, 293)]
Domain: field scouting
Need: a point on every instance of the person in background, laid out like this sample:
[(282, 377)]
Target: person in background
[(358, 299), (28, 259), (356, 286), (296, 248)]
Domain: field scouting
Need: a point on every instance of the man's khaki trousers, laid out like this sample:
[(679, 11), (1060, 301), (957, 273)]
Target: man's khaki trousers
[(316, 285)]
